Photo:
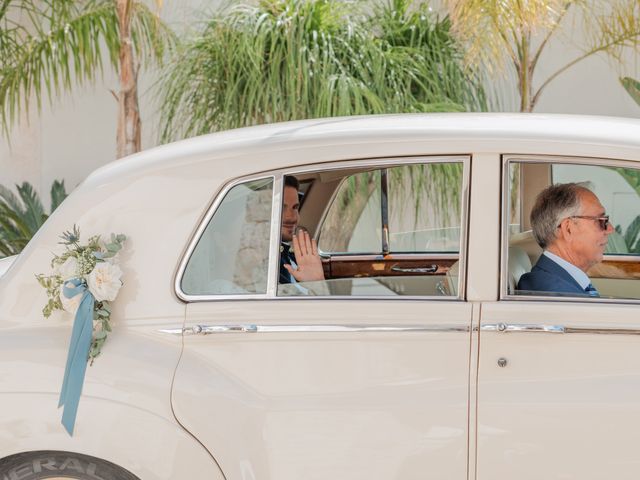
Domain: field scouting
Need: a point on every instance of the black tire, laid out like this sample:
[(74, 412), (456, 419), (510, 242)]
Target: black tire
[(54, 465)]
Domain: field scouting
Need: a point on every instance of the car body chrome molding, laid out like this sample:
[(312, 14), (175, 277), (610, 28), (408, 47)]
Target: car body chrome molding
[(252, 328), (539, 328)]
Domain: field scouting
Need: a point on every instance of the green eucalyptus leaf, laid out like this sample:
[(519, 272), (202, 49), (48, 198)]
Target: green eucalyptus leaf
[(112, 247)]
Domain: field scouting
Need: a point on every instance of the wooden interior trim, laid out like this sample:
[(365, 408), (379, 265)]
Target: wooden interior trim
[(379, 266), (617, 266)]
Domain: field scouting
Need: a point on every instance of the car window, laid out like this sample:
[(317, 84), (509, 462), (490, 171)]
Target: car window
[(424, 208), (617, 188), (619, 191), (392, 230), (232, 255), (353, 223)]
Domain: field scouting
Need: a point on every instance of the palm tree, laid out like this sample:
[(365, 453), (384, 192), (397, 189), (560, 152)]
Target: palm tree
[(295, 59), (21, 216), (518, 32), (46, 45)]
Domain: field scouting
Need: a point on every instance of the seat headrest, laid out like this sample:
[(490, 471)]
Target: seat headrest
[(519, 263)]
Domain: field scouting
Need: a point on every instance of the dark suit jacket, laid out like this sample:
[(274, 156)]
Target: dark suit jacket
[(548, 276), (285, 257)]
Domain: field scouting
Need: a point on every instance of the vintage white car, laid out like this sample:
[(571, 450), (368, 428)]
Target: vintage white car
[(415, 358)]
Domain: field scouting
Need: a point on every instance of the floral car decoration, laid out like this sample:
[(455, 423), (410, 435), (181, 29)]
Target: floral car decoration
[(84, 281)]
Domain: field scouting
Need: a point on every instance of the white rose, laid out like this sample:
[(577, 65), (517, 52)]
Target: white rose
[(70, 304), (104, 281), (69, 269)]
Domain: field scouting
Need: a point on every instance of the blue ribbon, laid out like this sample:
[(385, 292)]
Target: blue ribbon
[(78, 352)]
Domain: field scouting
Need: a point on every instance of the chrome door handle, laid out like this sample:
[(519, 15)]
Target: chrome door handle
[(428, 269), (530, 328), (537, 328), (209, 329)]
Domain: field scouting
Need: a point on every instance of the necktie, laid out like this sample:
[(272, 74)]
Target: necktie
[(591, 291)]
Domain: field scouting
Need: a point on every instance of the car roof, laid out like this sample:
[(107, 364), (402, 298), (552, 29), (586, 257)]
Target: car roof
[(490, 128)]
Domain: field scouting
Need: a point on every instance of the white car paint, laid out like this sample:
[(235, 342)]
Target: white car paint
[(5, 263), (290, 406)]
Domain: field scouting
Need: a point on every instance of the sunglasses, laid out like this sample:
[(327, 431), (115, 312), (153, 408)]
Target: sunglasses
[(602, 221)]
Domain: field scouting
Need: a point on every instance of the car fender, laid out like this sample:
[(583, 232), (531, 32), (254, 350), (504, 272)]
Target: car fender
[(147, 445)]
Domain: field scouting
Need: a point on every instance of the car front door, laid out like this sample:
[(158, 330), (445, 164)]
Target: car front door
[(559, 377), (316, 387)]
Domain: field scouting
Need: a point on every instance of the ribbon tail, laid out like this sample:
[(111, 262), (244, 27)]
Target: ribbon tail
[(73, 346), (77, 362)]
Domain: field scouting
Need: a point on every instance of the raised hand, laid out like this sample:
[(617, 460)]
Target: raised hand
[(308, 260)]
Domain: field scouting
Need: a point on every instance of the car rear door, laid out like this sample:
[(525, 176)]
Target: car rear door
[(353, 387)]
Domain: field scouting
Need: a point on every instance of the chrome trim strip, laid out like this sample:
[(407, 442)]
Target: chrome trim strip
[(240, 298), (535, 328), (174, 331), (384, 209), (465, 208), (603, 331), (273, 270), (504, 231), (566, 299), (335, 328)]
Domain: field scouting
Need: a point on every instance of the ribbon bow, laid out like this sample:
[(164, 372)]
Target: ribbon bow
[(78, 352)]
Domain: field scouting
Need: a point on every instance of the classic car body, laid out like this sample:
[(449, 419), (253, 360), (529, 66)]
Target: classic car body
[(415, 360)]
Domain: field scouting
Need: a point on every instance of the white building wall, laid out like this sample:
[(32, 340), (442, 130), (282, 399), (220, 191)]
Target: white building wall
[(76, 134)]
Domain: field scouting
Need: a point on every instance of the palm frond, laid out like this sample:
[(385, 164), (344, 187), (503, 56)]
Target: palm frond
[(287, 60), (58, 194), (33, 213), (22, 215), (62, 42)]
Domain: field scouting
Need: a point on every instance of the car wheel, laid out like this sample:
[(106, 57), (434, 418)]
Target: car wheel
[(52, 465)]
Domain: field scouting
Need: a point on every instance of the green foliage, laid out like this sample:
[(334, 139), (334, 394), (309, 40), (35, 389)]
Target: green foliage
[(632, 87), (52, 286), (46, 45), (632, 176), (625, 242), (296, 59), (628, 241), (631, 236), (21, 216), (516, 33)]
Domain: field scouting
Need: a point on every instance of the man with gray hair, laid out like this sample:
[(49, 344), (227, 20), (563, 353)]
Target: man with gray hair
[(571, 226)]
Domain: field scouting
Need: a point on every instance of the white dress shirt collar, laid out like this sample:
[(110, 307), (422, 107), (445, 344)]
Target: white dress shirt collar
[(577, 274)]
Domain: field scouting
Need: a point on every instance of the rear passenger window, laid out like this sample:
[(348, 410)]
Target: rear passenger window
[(387, 231), (232, 255)]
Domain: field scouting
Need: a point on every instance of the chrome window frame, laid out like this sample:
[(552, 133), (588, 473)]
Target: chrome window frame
[(274, 242), (507, 160), (204, 223)]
